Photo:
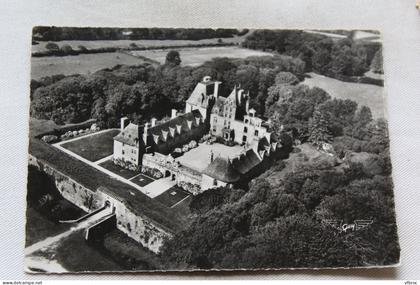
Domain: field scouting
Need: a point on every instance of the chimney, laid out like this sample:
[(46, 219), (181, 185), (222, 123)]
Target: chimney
[(240, 95), (173, 114), (153, 122), (247, 105), (216, 88), (123, 123), (145, 130)]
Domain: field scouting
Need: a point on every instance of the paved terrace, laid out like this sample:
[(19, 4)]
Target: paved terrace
[(199, 157)]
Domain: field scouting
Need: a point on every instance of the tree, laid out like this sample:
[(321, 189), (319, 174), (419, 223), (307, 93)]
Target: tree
[(66, 49), (318, 129), (286, 78), (377, 62), (52, 46), (173, 58)]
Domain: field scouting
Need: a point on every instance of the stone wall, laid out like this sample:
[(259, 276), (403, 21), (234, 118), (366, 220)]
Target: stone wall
[(139, 228), (84, 198)]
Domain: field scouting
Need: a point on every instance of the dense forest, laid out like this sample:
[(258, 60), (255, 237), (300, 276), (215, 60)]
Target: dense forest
[(41, 33), (335, 58)]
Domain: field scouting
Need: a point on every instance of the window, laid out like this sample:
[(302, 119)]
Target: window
[(245, 129), (256, 133), (244, 139), (246, 121), (228, 125), (123, 152), (214, 182)]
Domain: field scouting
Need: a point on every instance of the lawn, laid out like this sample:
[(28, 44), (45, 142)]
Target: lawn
[(75, 254), (172, 196), (369, 95), (111, 166), (93, 147), (79, 64), (39, 227), (197, 56), (142, 180)]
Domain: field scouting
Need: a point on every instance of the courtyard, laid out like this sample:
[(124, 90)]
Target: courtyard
[(199, 158)]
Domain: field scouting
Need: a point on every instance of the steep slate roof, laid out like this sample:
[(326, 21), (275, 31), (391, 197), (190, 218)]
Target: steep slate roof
[(130, 135), (245, 162), (200, 92), (222, 169), (181, 120)]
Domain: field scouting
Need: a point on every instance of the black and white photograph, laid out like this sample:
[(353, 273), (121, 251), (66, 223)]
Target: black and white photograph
[(208, 149)]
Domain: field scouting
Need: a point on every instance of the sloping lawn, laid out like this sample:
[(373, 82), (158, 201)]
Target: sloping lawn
[(369, 95), (93, 147)]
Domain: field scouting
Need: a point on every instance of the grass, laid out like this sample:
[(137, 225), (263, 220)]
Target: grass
[(111, 166), (369, 95), (197, 56), (39, 227), (172, 196), (93, 147), (129, 253), (79, 64), (142, 180), (75, 254)]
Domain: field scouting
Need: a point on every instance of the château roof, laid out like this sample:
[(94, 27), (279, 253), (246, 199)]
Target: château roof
[(181, 120), (130, 135), (201, 92), (246, 161), (222, 170)]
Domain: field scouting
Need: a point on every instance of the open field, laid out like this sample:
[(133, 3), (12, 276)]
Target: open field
[(93, 147), (197, 56), (198, 158), (369, 95), (79, 64)]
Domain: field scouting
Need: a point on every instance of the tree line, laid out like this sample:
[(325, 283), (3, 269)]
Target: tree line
[(335, 58), (43, 33)]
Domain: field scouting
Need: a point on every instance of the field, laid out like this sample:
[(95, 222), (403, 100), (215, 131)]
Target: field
[(93, 147), (197, 56), (78, 64), (40, 47), (369, 95)]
